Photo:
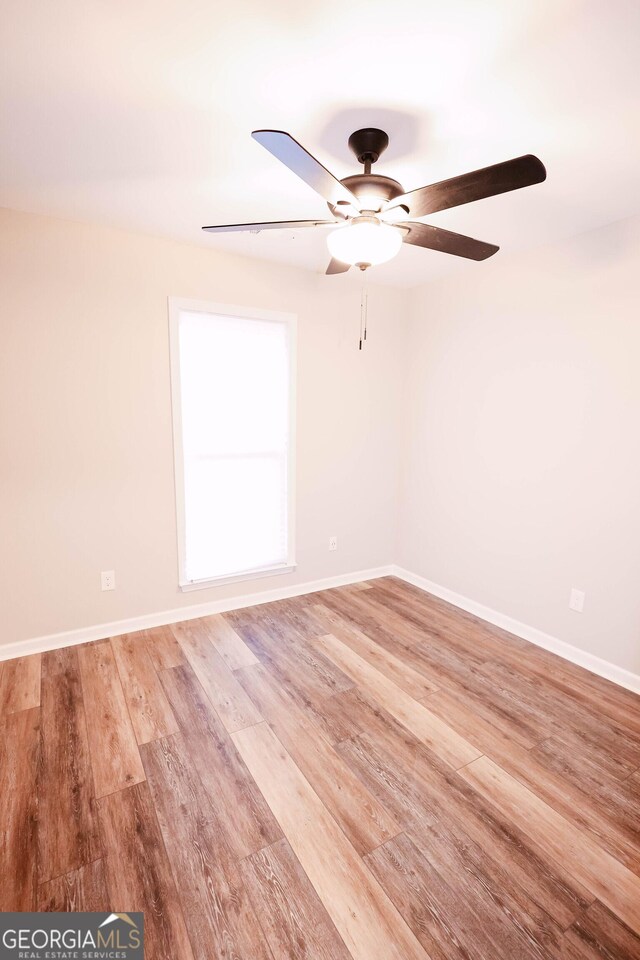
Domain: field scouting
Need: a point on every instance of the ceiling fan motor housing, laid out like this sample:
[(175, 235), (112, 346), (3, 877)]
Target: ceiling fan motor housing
[(373, 184), (371, 190)]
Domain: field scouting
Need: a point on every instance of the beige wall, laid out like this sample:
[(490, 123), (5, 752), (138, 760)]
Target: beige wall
[(500, 415), (86, 477), (521, 471)]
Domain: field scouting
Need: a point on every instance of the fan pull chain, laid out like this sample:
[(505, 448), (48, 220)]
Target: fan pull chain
[(366, 303), (363, 308)]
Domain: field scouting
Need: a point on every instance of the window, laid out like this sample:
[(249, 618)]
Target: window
[(233, 408)]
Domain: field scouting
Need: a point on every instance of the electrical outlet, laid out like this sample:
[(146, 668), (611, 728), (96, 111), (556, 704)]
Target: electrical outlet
[(108, 579), (333, 543), (576, 600)]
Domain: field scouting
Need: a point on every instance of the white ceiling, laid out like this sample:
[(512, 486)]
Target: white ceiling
[(139, 113)]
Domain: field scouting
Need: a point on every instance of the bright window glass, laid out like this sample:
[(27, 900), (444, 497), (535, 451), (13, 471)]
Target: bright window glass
[(234, 443)]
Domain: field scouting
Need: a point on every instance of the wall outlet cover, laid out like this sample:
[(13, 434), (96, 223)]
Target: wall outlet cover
[(108, 580), (576, 600)]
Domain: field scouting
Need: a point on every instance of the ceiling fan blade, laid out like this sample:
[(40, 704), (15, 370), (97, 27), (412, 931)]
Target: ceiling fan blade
[(293, 155), (488, 182), (435, 238), (337, 266), (276, 225)]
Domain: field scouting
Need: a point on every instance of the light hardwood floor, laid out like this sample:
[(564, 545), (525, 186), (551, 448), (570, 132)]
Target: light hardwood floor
[(364, 773)]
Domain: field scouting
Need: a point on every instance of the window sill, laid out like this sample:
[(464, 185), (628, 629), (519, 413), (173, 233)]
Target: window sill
[(274, 571)]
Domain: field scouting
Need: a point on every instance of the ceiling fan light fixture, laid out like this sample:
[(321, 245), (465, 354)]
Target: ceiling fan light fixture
[(364, 241)]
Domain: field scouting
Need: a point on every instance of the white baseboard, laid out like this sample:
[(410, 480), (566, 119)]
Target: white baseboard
[(69, 638), (624, 678), (567, 651)]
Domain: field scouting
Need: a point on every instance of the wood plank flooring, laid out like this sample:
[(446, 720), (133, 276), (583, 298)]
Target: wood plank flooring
[(365, 773)]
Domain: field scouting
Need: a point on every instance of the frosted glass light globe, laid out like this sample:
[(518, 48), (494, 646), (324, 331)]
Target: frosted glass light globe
[(364, 241)]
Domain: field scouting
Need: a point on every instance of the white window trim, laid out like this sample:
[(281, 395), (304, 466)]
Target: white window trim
[(176, 305)]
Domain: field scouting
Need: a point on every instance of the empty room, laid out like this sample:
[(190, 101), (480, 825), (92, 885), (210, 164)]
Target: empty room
[(319, 480)]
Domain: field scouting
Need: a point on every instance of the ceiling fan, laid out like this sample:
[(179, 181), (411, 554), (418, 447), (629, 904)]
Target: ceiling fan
[(370, 211)]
